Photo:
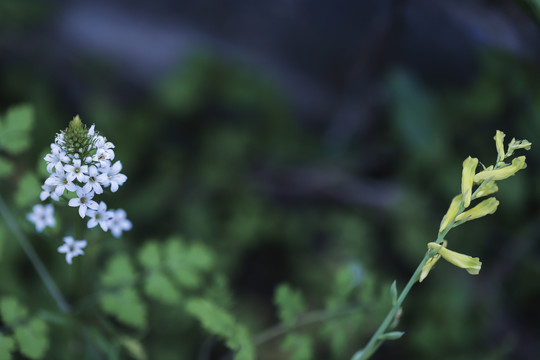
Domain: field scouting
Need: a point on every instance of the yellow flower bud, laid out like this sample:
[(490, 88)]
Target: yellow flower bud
[(490, 188), (467, 177), (472, 265), (502, 173), (499, 143), (486, 207), (451, 213)]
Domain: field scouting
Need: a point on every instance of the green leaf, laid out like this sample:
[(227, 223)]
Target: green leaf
[(158, 286), (7, 346), (125, 305), (149, 255), (187, 262), (290, 304), (244, 343), (118, 272), (213, 318), (299, 346), (218, 321), (14, 134), (32, 338), (393, 335), (28, 190), (393, 293), (134, 347), (12, 311), (6, 167)]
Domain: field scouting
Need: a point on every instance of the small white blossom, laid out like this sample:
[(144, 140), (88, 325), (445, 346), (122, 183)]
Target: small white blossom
[(83, 201), (56, 158), (60, 181), (48, 191), (100, 216), (115, 178), (119, 222), (42, 216), (95, 180), (77, 171), (72, 248)]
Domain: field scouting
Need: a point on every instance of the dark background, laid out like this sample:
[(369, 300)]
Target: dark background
[(295, 137)]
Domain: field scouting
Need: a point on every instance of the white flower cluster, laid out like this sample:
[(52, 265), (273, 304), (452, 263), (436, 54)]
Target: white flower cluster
[(81, 162)]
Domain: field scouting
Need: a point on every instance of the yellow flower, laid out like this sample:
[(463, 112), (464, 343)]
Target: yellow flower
[(502, 173), (428, 266), (517, 144), (490, 188), (499, 143), (486, 207), (472, 265), (467, 177), (451, 213)]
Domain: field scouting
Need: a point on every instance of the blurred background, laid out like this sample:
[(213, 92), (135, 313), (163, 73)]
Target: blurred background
[(295, 138)]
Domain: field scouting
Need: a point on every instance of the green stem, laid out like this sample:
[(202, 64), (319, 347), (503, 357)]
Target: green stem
[(374, 342), (34, 259)]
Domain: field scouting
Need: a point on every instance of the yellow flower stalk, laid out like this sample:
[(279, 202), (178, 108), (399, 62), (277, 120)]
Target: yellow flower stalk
[(502, 173), (472, 265), (488, 189), (451, 213), (499, 143), (486, 207), (467, 178)]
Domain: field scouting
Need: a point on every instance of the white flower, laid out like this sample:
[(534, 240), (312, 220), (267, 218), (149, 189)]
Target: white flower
[(119, 222), (95, 180), (115, 178), (56, 158), (72, 248), (100, 216), (77, 171), (48, 190), (91, 130), (42, 216), (83, 201), (59, 139), (60, 181)]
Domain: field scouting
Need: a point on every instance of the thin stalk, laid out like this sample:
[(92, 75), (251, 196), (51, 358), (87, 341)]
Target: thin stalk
[(374, 342), (34, 258)]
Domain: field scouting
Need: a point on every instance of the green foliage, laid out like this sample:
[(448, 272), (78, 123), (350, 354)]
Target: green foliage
[(290, 304), (173, 261), (32, 338), (15, 127), (299, 346), (28, 190), (29, 333), (218, 321), (7, 346), (121, 298), (186, 263)]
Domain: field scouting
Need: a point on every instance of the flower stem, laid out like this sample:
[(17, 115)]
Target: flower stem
[(34, 258)]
